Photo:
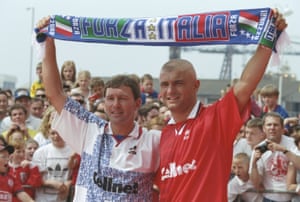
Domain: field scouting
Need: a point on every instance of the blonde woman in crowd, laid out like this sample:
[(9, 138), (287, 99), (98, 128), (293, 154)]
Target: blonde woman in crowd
[(82, 85), (42, 137), (68, 73)]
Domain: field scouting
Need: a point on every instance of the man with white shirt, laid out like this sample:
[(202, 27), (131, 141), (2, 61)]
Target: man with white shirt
[(270, 168)]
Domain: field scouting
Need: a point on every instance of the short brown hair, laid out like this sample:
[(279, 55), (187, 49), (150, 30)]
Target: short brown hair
[(124, 80), (269, 90)]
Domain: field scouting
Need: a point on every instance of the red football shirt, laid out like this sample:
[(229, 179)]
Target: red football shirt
[(196, 154), (8, 187)]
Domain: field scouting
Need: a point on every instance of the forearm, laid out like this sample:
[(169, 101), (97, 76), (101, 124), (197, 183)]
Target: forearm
[(252, 75), (255, 177), (23, 196), (51, 76)]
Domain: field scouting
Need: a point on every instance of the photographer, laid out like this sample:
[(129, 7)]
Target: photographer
[(269, 167)]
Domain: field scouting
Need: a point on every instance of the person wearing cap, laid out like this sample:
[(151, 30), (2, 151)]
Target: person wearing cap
[(22, 96), (9, 185)]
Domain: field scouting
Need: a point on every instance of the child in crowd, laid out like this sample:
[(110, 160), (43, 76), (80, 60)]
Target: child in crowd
[(68, 73), (269, 95), (241, 184), (82, 85), (97, 90), (53, 162), (28, 174), (30, 147), (9, 185), (15, 133), (147, 91)]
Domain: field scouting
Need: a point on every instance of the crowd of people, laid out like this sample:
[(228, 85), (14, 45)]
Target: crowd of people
[(41, 160), (72, 136)]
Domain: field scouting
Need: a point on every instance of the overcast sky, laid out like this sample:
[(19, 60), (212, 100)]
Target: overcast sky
[(107, 60)]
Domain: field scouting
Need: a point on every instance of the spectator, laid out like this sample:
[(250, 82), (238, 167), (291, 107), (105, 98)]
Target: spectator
[(83, 84), (293, 181), (97, 88), (42, 137), (99, 105), (68, 73), (239, 186), (53, 162), (156, 123), (22, 97), (147, 91), (18, 114), (9, 185), (10, 97), (3, 105), (165, 112), (30, 147), (254, 132), (240, 144), (16, 134), (40, 93), (293, 177), (27, 174), (39, 83), (78, 97), (269, 94), (37, 107), (269, 168)]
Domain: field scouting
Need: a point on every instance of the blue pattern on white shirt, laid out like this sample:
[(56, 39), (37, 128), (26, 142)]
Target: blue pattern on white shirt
[(91, 164)]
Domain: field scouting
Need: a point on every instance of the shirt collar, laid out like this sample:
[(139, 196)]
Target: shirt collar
[(134, 133), (192, 114)]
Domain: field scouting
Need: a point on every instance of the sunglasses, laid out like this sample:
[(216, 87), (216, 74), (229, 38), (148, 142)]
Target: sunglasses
[(41, 96)]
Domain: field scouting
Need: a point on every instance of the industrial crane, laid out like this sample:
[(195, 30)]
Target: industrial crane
[(228, 51)]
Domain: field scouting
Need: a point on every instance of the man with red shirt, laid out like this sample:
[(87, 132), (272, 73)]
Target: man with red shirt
[(196, 146)]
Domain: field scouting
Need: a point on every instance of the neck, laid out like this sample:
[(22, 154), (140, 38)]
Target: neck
[(122, 129), (14, 164), (183, 114)]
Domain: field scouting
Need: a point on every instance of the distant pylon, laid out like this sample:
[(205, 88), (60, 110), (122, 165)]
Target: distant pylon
[(225, 73), (174, 52)]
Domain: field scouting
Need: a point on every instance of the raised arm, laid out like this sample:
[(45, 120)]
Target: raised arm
[(50, 72), (255, 68)]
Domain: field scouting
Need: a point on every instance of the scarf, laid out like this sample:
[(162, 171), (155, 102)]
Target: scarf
[(248, 26)]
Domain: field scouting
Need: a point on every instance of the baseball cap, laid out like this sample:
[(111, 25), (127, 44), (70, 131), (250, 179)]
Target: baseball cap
[(4, 146), (21, 92)]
